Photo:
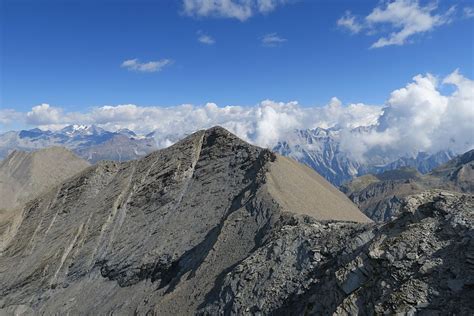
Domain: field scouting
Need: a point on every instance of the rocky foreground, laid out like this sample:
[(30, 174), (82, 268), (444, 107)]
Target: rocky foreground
[(213, 225)]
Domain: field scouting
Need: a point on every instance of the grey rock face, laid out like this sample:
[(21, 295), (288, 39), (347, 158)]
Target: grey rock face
[(157, 234), (24, 176), (380, 196), (421, 263)]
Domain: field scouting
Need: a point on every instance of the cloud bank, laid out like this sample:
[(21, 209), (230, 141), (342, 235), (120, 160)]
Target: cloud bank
[(417, 117), (263, 124)]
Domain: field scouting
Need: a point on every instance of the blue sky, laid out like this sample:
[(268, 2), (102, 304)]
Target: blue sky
[(69, 53)]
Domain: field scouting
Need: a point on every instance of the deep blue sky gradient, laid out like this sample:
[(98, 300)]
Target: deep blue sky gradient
[(68, 54)]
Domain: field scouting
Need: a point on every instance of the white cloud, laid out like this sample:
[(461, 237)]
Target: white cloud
[(400, 20), (272, 40), (349, 22), (9, 116), (417, 117), (236, 9), (151, 66), (263, 124), (468, 12), (205, 38), (408, 18), (44, 114)]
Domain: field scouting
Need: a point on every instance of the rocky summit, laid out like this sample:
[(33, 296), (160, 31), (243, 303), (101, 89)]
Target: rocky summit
[(213, 225)]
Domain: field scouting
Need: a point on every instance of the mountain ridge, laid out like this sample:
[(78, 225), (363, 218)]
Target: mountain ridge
[(319, 148)]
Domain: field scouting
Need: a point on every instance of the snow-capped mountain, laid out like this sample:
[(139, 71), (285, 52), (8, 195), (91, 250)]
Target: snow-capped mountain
[(89, 142), (318, 148), (321, 150)]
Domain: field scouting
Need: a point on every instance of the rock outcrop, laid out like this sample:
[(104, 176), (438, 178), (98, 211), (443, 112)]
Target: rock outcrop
[(421, 263)]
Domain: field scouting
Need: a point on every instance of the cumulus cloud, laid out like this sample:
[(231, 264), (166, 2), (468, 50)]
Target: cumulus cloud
[(151, 66), (236, 9), (419, 117), (272, 40), (205, 38), (263, 124), (44, 114), (349, 22), (416, 117), (400, 19)]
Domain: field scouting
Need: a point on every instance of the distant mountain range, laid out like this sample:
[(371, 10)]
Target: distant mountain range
[(381, 196), (89, 142), (321, 150), (318, 148)]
